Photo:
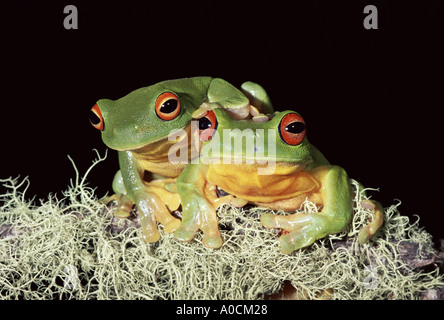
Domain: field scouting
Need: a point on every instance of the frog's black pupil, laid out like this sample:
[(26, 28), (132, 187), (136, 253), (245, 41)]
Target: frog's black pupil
[(204, 123), (95, 120), (295, 127), (169, 106)]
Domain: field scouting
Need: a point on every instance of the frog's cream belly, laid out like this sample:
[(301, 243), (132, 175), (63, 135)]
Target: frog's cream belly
[(242, 180), (156, 156)]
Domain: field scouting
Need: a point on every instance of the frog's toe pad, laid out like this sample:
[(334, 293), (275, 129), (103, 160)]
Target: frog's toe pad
[(172, 225), (268, 220), (151, 237), (183, 234), (295, 240), (213, 241), (122, 213), (261, 118)]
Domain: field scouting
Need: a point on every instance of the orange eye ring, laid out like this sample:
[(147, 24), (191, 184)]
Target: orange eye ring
[(167, 106), (207, 126), (292, 129), (96, 118)]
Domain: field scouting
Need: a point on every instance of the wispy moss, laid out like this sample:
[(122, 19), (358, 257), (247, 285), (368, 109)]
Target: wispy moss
[(67, 247)]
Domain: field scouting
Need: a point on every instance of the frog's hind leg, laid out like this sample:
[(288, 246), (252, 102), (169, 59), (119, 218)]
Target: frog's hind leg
[(152, 206), (378, 215), (303, 229)]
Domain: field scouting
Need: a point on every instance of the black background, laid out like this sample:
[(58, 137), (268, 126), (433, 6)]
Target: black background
[(372, 99)]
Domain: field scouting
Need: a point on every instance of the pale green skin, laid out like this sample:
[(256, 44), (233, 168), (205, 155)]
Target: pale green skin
[(131, 123), (305, 228)]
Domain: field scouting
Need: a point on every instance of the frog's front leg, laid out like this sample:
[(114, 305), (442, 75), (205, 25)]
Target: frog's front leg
[(197, 211), (223, 94), (304, 229), (260, 103), (150, 207), (124, 204)]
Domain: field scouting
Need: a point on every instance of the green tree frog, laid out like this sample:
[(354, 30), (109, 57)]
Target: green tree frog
[(270, 164), (138, 126)]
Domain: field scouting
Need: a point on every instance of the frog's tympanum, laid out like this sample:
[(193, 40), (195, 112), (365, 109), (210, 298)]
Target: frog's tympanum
[(138, 126), (270, 164)]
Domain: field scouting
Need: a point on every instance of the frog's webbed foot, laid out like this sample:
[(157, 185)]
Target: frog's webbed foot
[(145, 207), (151, 210), (163, 193), (301, 229), (124, 205), (198, 213), (152, 206), (369, 230)]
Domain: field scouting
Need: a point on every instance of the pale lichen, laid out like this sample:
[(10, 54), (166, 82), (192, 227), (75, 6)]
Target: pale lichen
[(69, 248)]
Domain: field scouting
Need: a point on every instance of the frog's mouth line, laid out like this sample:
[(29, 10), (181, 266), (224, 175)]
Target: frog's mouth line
[(163, 143)]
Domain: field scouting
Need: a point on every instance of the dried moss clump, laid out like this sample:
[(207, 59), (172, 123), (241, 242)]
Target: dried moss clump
[(70, 248)]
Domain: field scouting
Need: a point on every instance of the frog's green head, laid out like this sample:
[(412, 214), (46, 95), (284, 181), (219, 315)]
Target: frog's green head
[(281, 139), (147, 114)]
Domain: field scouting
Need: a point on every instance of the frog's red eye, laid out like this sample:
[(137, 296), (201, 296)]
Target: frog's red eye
[(96, 119), (207, 126), (167, 106), (292, 129)]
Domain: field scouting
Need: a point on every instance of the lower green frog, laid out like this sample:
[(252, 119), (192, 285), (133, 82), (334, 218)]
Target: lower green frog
[(270, 164)]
